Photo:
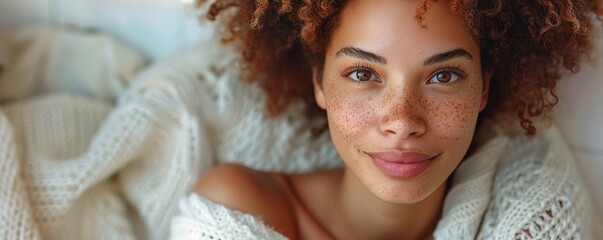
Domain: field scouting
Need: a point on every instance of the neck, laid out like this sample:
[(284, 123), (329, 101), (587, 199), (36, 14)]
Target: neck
[(368, 217)]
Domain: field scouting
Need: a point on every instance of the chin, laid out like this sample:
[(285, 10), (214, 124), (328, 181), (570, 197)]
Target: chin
[(404, 193)]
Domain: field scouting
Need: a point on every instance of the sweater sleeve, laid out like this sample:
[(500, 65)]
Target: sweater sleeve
[(201, 218)]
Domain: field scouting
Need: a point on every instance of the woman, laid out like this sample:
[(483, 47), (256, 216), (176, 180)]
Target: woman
[(405, 85)]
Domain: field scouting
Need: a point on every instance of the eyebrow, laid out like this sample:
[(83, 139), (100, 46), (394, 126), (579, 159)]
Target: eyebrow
[(438, 58), (359, 53), (445, 56)]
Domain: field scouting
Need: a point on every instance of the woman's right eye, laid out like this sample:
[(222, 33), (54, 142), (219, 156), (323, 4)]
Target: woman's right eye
[(363, 75)]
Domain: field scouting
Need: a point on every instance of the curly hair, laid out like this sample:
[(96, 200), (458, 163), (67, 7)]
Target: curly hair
[(524, 43)]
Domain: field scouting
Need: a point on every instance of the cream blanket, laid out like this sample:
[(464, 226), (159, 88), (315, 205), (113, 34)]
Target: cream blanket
[(76, 166)]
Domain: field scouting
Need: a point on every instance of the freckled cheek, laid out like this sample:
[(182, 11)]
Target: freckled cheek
[(456, 117), (349, 115)]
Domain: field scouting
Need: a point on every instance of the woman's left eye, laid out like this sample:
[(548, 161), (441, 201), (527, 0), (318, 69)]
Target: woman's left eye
[(444, 77)]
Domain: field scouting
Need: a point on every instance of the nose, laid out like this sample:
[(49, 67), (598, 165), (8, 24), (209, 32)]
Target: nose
[(402, 113)]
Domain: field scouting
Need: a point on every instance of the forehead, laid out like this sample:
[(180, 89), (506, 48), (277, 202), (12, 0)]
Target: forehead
[(391, 25)]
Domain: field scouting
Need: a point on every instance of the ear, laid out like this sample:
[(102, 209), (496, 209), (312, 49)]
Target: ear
[(486, 77), (318, 93)]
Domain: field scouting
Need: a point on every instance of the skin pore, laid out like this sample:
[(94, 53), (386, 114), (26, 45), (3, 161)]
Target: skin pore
[(391, 89)]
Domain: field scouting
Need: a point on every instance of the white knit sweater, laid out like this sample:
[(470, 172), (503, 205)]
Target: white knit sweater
[(511, 188), (75, 167)]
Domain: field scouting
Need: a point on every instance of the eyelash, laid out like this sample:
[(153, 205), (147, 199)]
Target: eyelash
[(358, 67), (454, 68)]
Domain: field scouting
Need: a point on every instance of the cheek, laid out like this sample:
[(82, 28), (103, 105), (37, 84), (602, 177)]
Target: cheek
[(349, 114), (456, 116)]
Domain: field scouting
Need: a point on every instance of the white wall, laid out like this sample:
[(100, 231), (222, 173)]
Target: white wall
[(156, 27), (580, 119)]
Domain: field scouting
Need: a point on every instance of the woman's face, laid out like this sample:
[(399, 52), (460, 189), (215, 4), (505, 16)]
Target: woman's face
[(402, 101)]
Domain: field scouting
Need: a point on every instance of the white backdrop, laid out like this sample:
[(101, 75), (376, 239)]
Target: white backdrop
[(160, 27), (580, 119)]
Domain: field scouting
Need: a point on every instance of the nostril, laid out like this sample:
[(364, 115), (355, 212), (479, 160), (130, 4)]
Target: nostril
[(390, 131)]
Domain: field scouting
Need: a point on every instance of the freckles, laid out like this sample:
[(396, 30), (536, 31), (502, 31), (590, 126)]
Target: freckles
[(456, 117), (418, 189), (350, 114), (412, 190), (467, 109)]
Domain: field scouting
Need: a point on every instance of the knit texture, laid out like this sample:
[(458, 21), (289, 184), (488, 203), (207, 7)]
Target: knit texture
[(203, 219), (77, 167), (74, 166), (16, 219), (512, 188)]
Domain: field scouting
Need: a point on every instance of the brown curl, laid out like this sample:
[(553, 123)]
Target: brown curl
[(524, 43)]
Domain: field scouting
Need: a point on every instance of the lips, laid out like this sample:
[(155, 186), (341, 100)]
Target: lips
[(402, 164)]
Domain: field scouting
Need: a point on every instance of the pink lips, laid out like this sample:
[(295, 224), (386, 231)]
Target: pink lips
[(402, 164)]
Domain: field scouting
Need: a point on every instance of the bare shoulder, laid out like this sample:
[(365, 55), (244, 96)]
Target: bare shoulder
[(258, 193)]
